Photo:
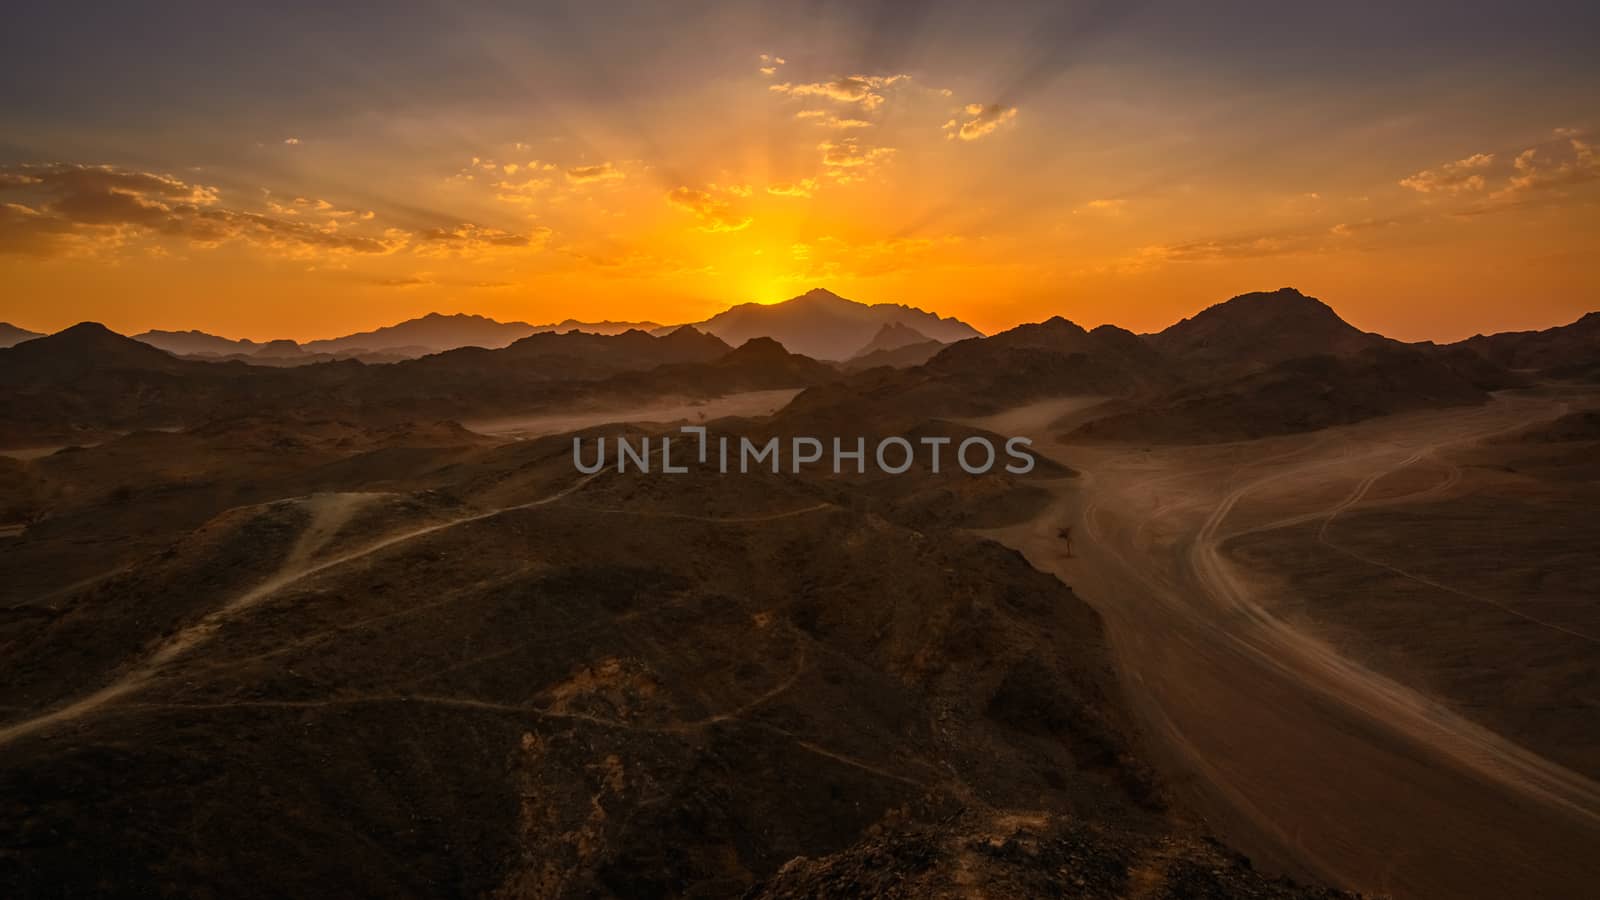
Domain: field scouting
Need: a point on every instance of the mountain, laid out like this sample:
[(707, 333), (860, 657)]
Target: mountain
[(822, 325), (11, 335), (85, 382), (758, 364), (88, 383), (604, 326), (892, 336), (434, 331), (899, 358), (897, 346), (768, 362), (1056, 356), (196, 343), (983, 375), (568, 356), (1305, 393), (1256, 330), (1575, 346), (87, 346)]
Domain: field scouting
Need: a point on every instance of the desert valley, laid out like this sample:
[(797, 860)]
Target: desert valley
[(1286, 609)]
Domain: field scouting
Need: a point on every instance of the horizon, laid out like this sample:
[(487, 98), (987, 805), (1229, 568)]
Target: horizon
[(300, 171), (131, 332)]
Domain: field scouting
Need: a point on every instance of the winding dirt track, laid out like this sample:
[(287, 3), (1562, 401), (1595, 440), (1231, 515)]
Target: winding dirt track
[(329, 513), (1306, 760)]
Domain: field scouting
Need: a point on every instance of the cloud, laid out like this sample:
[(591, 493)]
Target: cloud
[(847, 160), (524, 192), (305, 206), (410, 281), (588, 174), (427, 279), (25, 231), (802, 188), (70, 180), (829, 120), (469, 240), (1102, 207), (861, 90), (714, 213), (70, 210), (982, 120), (1290, 242), (1453, 178), (770, 64), (80, 208), (291, 141), (1534, 174)]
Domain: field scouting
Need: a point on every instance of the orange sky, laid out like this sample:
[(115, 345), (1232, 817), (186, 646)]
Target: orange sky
[(1133, 187)]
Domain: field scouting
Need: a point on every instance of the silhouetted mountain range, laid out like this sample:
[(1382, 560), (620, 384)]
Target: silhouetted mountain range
[(1260, 363), (431, 333), (1572, 349), (892, 336), (87, 382), (11, 335), (824, 325), (1259, 329)]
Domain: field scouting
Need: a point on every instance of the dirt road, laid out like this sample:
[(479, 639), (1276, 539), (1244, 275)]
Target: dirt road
[(1306, 760), (329, 513)]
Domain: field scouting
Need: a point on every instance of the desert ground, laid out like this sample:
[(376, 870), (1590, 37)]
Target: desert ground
[(1364, 652), (1284, 610)]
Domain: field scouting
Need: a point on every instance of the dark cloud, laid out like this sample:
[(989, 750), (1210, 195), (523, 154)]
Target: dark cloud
[(67, 208), (72, 207)]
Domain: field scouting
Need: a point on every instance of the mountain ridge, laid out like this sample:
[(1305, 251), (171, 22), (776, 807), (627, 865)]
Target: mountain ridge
[(823, 325)]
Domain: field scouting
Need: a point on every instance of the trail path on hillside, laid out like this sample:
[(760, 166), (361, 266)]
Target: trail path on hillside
[(1305, 759), (329, 513)]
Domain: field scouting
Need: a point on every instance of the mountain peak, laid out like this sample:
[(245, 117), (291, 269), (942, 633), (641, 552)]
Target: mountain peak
[(86, 331), (87, 346), (11, 335), (823, 325), (822, 294), (760, 348), (892, 336), (1261, 328)]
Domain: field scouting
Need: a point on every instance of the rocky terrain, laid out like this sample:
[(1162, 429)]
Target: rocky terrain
[(299, 632)]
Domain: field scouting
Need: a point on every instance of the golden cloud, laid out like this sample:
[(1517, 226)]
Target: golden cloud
[(82, 208), (847, 160), (714, 213), (1453, 177), (1534, 174), (1102, 207), (601, 172), (802, 188), (828, 120), (72, 209), (472, 241), (524, 192), (982, 120), (861, 90)]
